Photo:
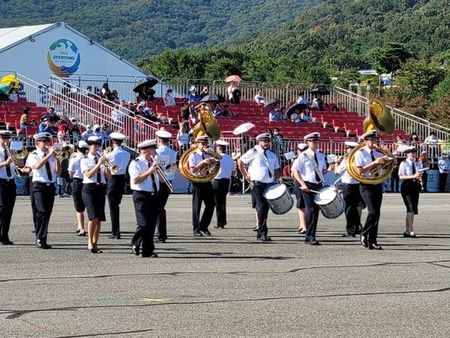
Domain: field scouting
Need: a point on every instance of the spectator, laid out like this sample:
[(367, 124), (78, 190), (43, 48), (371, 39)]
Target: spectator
[(302, 101), (275, 115), (146, 94), (119, 112), (89, 91), (13, 95), (431, 144), (317, 103), (63, 132), (283, 113), (105, 92), (183, 136), (431, 139), (295, 117), (74, 131), (51, 127), (234, 93), (226, 112), (192, 96), (114, 97), (306, 115), (259, 98), (169, 100), (217, 110), (185, 111), (400, 143), (277, 136), (24, 122), (444, 167), (88, 132), (204, 92), (43, 125)]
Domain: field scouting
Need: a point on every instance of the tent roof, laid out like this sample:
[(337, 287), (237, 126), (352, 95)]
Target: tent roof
[(14, 35)]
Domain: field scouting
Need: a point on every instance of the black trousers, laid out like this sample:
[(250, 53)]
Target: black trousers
[(312, 211), (372, 196), (221, 188), (146, 210), (115, 190), (7, 202), (43, 195), (163, 196), (261, 205), (202, 193), (442, 181), (352, 198)]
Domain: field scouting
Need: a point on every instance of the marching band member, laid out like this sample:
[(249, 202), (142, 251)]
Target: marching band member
[(145, 184), (303, 226), (201, 192), (372, 194), (76, 175), (263, 169), (351, 194), (308, 172), (164, 151), (410, 175), (7, 187), (221, 183), (94, 190), (44, 166), (116, 185)]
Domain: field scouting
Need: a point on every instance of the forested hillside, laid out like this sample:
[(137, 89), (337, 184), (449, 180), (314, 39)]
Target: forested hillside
[(144, 28)]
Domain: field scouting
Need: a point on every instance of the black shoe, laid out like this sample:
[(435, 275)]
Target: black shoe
[(95, 250), (373, 246), (81, 233), (219, 227), (405, 234), (348, 235), (255, 229), (114, 236), (206, 232), (364, 241), (135, 250), (153, 255), (313, 242), (7, 242), (42, 245), (162, 240), (265, 238), (197, 233)]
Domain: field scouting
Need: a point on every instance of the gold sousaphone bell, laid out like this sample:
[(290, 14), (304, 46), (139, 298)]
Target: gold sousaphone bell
[(380, 118)]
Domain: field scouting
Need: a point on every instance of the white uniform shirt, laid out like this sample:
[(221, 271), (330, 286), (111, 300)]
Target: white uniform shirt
[(119, 157), (87, 163), (171, 154), (74, 166), (363, 158), (226, 167), (136, 168), (342, 169), (305, 167), (406, 168), (195, 158), (3, 174), (443, 164), (40, 175), (259, 165)]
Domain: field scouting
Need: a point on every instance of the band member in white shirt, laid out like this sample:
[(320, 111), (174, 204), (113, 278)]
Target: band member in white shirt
[(300, 205), (201, 192), (94, 190), (372, 194), (144, 182), (119, 158), (44, 166), (263, 170), (410, 174), (7, 187), (77, 176), (167, 159), (308, 172), (351, 194), (221, 183)]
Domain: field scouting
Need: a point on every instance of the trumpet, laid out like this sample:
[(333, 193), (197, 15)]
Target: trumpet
[(59, 153), (112, 167)]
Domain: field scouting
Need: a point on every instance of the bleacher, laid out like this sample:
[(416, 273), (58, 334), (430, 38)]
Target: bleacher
[(10, 113)]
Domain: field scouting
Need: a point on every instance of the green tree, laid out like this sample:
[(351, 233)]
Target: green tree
[(389, 58)]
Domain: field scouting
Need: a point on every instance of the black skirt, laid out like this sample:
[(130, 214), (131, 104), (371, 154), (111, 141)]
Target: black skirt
[(94, 199), (410, 190), (77, 189)]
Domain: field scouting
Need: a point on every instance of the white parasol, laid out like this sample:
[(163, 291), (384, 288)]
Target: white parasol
[(243, 128)]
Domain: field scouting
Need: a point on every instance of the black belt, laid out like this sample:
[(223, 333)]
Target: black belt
[(44, 183), (7, 180), (93, 184)]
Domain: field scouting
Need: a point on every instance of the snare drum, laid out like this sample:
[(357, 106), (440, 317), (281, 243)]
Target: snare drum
[(330, 202), (279, 198)]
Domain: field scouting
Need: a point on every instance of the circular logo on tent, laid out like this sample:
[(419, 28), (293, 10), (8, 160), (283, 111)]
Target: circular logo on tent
[(63, 57)]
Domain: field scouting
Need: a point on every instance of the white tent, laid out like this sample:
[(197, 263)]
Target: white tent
[(40, 51)]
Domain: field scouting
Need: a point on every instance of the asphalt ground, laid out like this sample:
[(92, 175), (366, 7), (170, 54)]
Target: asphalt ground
[(230, 285)]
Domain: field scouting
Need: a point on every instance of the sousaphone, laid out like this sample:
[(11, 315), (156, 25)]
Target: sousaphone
[(380, 118)]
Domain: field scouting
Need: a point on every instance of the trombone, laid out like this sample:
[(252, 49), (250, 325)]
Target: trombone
[(22, 155), (162, 175)]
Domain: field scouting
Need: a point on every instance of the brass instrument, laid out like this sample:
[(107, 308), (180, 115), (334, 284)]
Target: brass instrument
[(16, 156), (381, 119), (112, 167), (207, 126), (162, 174), (59, 153)]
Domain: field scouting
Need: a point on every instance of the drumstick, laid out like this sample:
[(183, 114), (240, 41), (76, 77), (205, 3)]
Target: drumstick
[(314, 191)]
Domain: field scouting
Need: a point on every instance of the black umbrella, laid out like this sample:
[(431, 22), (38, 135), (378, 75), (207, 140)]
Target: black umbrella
[(293, 108), (210, 98), (320, 90), (148, 82), (270, 103)]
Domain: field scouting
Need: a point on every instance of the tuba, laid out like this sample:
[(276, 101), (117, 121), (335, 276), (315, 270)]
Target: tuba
[(207, 126), (381, 119)]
